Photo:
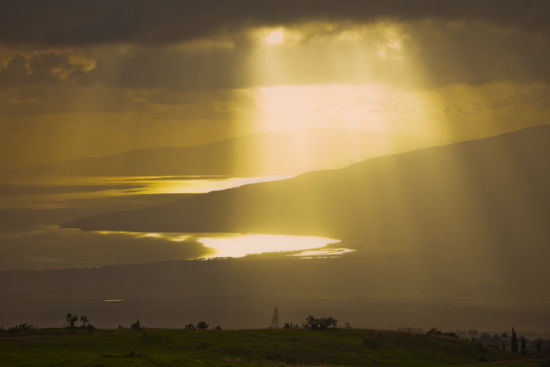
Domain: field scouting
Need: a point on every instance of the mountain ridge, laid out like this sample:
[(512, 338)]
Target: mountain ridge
[(247, 155), (330, 202)]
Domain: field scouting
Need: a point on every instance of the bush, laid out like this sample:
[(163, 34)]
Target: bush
[(291, 326), (136, 326), (201, 325), (24, 327), (320, 323)]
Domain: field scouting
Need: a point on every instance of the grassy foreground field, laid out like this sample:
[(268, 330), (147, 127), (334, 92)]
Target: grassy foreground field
[(66, 347)]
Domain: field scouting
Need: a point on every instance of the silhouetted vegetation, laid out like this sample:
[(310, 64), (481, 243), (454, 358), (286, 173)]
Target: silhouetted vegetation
[(21, 328), (514, 342), (85, 322), (136, 326), (201, 325), (71, 319), (290, 325), (436, 331), (320, 323)]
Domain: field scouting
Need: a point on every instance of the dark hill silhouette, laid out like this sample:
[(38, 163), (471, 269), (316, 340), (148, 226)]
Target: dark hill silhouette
[(490, 191), (454, 236), (466, 222), (249, 155)]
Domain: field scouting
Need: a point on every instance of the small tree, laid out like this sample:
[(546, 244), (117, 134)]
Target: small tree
[(514, 342), (20, 328), (71, 319), (201, 325), (189, 327), (136, 326), (320, 323), (311, 323), (328, 322), (523, 346), (84, 321)]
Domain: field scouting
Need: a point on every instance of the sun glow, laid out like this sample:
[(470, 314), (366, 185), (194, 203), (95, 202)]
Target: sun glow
[(239, 245), (375, 77), (274, 37), (242, 245), (371, 107)]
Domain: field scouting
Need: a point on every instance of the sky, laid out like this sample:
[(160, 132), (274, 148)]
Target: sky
[(92, 78), (358, 78)]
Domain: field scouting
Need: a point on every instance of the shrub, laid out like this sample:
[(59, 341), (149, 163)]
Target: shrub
[(136, 326), (201, 325), (21, 328), (320, 323)]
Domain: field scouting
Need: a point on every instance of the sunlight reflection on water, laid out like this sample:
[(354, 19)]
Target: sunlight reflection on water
[(323, 253), (239, 245), (242, 245), (58, 192), (201, 185)]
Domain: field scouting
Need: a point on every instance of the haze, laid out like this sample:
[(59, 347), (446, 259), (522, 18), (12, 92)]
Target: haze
[(386, 161)]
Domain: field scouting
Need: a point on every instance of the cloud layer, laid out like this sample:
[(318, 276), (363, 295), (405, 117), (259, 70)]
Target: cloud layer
[(81, 78), (70, 22)]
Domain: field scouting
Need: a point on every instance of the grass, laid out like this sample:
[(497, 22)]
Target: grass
[(66, 347)]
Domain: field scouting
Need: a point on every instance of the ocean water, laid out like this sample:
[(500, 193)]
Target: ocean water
[(31, 210)]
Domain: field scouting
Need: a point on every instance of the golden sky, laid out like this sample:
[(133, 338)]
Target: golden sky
[(94, 78)]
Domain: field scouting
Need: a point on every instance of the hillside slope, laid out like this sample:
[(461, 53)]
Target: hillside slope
[(468, 220), (249, 155), (491, 190)]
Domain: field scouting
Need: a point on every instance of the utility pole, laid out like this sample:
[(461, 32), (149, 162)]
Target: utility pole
[(275, 319)]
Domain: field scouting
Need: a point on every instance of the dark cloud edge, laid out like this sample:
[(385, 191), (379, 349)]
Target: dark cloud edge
[(72, 22)]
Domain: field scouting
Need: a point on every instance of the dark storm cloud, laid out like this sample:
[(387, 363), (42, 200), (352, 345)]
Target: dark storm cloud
[(42, 67), (465, 53), (164, 67), (474, 55), (70, 22)]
